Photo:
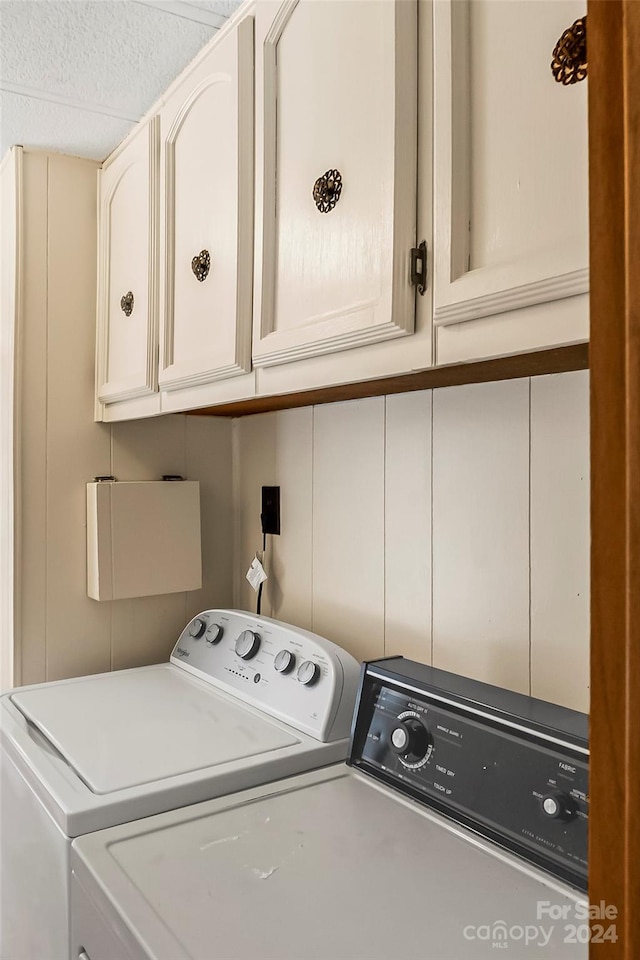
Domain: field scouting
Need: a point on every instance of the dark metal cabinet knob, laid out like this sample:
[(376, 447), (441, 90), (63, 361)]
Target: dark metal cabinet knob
[(126, 304), (569, 60), (201, 265), (327, 190)]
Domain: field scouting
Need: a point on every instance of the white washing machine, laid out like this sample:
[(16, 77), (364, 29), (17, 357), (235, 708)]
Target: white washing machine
[(244, 700), (459, 832)]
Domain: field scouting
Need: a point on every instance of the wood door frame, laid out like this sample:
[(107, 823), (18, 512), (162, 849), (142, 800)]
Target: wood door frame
[(614, 160)]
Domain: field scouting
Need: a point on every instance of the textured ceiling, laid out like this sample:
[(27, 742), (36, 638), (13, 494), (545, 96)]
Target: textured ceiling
[(75, 75)]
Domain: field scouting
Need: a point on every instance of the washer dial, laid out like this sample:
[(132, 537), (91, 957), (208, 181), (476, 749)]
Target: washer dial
[(214, 633), (285, 661), (308, 673), (197, 628), (247, 644)]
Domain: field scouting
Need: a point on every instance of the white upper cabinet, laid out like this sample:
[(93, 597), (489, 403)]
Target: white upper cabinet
[(336, 176), (207, 217), (127, 333), (511, 179), (271, 248)]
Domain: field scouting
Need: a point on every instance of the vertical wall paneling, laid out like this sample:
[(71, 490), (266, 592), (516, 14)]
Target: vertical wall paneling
[(501, 539), (254, 467), (147, 449), (144, 629), (348, 525), (560, 539), (10, 236), (78, 633), (31, 430), (60, 632), (290, 567), (481, 532), (208, 459), (408, 526)]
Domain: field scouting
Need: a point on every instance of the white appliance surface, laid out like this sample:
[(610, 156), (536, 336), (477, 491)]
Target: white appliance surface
[(244, 701), (326, 864), (134, 727), (104, 749)]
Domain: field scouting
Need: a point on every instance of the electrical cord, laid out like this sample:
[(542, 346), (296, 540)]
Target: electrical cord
[(264, 548)]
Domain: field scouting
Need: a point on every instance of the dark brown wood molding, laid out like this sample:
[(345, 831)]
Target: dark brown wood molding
[(614, 162), (558, 360)]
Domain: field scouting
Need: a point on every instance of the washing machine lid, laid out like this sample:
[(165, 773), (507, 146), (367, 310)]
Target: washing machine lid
[(126, 729)]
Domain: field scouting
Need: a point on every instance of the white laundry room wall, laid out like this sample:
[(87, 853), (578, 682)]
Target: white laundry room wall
[(60, 632), (450, 525)]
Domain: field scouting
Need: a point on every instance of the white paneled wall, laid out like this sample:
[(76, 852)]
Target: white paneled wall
[(451, 526), (80, 635), (144, 629), (407, 525), (347, 551), (291, 583), (59, 631), (481, 531), (559, 536), (254, 466)]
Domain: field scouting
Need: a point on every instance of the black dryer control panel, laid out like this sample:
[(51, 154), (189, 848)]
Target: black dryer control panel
[(510, 767)]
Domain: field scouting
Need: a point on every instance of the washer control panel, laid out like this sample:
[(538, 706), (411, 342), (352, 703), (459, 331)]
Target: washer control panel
[(289, 673), (498, 762)]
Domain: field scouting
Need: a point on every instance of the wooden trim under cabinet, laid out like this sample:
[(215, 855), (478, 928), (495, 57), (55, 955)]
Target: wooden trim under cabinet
[(557, 360)]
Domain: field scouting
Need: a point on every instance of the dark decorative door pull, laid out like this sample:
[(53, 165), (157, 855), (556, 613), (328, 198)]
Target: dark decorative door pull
[(200, 265), (569, 63), (327, 190), (126, 304)]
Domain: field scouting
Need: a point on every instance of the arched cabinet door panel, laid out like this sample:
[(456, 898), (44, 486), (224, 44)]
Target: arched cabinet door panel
[(336, 176), (207, 218), (127, 332), (511, 180)]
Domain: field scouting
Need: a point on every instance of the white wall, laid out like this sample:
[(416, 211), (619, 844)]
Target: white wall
[(59, 631), (8, 256), (450, 525)]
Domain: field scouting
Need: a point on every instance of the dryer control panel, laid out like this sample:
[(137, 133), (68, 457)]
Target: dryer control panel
[(512, 768), (289, 673)]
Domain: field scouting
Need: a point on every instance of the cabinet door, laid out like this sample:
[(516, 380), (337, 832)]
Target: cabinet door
[(337, 176), (207, 173), (511, 182), (127, 346)]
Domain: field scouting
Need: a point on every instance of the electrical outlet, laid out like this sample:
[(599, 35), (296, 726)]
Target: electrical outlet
[(270, 515)]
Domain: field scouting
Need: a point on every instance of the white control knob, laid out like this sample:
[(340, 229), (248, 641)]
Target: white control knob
[(197, 628), (559, 806), (308, 673), (400, 739), (285, 661), (214, 633), (247, 644)]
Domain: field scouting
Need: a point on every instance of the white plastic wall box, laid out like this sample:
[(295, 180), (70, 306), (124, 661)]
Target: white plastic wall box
[(143, 538)]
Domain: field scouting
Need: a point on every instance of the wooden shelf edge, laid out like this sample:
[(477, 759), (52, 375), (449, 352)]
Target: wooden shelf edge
[(536, 364)]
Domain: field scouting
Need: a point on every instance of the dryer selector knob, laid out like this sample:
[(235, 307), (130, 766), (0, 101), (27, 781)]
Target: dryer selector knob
[(559, 806), (410, 739), (247, 644)]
